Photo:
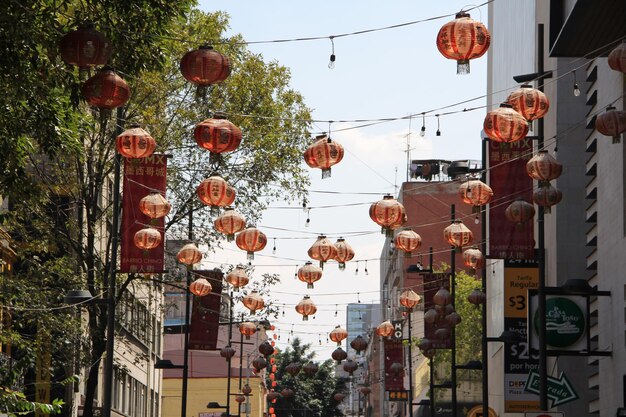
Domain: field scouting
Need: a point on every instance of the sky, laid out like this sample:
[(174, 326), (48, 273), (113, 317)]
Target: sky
[(382, 74)]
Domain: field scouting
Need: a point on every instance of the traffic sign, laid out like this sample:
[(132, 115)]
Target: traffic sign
[(560, 390)]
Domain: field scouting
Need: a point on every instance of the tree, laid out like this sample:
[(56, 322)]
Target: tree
[(313, 394), (57, 158)]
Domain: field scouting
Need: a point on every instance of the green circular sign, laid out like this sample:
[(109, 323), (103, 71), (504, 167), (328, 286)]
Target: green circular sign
[(565, 322)]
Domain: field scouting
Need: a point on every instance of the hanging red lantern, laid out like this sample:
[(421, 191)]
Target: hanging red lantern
[(617, 58), (365, 390), (205, 66), (338, 396), (217, 135), (85, 47), (543, 167), (387, 213), (309, 273), (240, 398), (106, 90), (453, 319), (350, 366), (189, 254), (200, 287), (273, 395), (323, 154), (442, 297), (408, 241), (148, 238), (259, 363), (246, 389), (238, 277), (135, 142), (431, 316), (477, 297), (463, 39), (425, 344), (519, 211), (339, 355), (287, 393), (310, 368), (359, 344), (505, 124), (409, 299), (384, 329), (547, 196), (442, 333), (154, 205), (612, 123), (293, 368), (338, 334), (475, 193), (215, 192), (345, 253), (266, 349), (473, 258), (253, 301), (322, 250), (227, 352), (529, 102), (247, 329), (251, 240), (457, 234), (306, 307), (396, 369), (229, 223)]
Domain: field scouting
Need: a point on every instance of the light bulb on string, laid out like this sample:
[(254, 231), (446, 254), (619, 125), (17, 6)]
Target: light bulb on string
[(304, 206), (308, 218), (319, 336), (331, 62), (358, 297), (356, 271), (366, 273), (438, 130), (423, 130), (295, 275), (274, 248), (335, 310), (576, 89)]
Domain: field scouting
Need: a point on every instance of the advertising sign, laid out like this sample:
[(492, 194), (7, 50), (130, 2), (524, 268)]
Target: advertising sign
[(519, 277), (566, 322), (205, 314)]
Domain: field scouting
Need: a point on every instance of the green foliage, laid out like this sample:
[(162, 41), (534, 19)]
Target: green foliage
[(313, 394), (15, 404)]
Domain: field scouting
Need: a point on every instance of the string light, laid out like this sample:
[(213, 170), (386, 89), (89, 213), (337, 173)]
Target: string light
[(576, 89), (366, 273), (438, 131), (356, 271), (274, 248), (331, 62), (308, 218), (423, 130)]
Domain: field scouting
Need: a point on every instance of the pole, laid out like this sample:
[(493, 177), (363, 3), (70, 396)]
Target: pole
[(541, 295), (111, 284), (230, 336), (183, 406), (410, 402), (432, 360), (483, 283), (452, 330), (240, 368)]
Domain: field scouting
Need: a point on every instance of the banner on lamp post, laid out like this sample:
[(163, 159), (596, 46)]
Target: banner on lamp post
[(205, 314), (141, 177)]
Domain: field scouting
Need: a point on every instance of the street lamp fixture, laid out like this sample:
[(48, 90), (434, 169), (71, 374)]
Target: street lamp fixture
[(508, 337), (534, 76), (74, 297), (471, 365), (214, 405), (166, 364)]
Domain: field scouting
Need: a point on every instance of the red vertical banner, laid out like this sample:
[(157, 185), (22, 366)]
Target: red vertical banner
[(510, 181), (433, 283), (205, 314), (394, 353), (141, 177)]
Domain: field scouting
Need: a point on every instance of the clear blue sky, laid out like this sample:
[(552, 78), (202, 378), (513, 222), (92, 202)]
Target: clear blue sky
[(389, 73)]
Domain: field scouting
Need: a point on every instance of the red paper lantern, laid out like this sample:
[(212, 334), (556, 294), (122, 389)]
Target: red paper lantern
[(189, 254), (247, 329), (227, 352), (200, 287), (293, 368), (617, 58), (323, 154), (547, 196), (309, 273), (85, 47), (287, 393), (612, 123), (338, 397), (217, 135), (359, 344), (519, 211), (477, 297), (505, 125), (135, 142), (453, 319), (240, 398), (148, 238), (543, 167), (475, 193), (322, 250), (350, 366), (409, 299), (384, 329), (339, 355), (425, 344), (442, 297), (272, 395), (154, 205), (387, 213), (442, 333), (205, 66), (251, 240), (259, 363), (430, 316), (473, 258), (365, 390), (238, 277), (345, 253), (529, 102), (457, 234), (229, 223), (408, 241), (253, 301), (215, 192), (306, 307), (396, 369), (463, 39), (246, 389), (310, 368), (266, 349), (106, 90), (338, 334)]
